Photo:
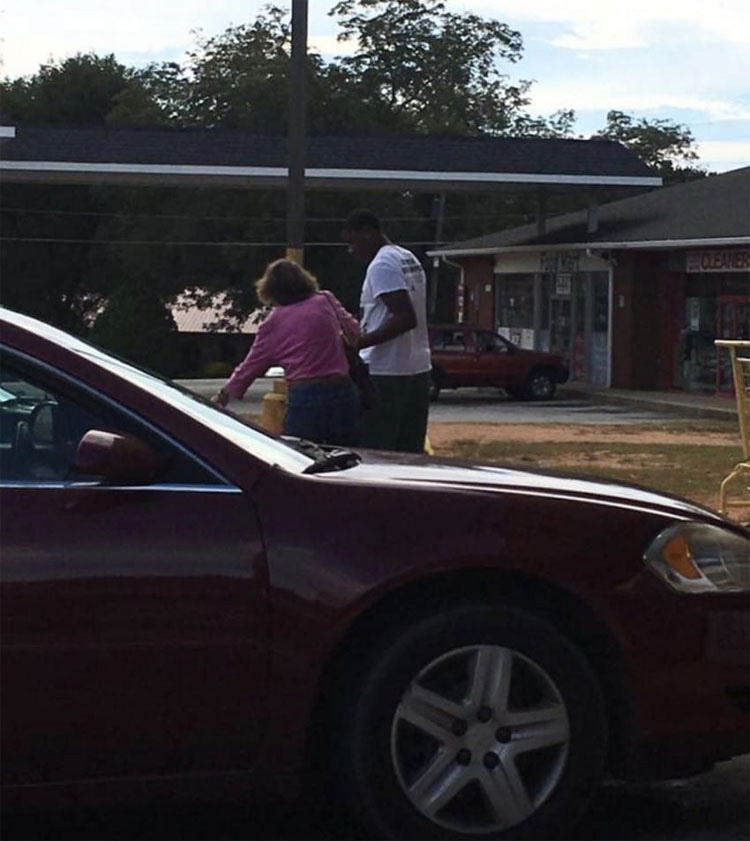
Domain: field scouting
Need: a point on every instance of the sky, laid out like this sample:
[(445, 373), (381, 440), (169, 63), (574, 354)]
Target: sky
[(680, 60)]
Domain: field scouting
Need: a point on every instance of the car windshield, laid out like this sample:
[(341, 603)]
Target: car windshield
[(250, 438)]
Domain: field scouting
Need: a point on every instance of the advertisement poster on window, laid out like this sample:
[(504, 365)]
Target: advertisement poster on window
[(563, 284)]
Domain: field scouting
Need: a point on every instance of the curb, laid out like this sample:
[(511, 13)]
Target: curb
[(656, 404)]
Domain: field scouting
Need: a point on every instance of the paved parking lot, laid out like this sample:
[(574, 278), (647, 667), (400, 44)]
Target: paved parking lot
[(482, 405), (488, 406), (711, 807)]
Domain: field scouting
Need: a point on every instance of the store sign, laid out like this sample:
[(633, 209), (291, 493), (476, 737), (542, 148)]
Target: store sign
[(719, 260), (555, 262)]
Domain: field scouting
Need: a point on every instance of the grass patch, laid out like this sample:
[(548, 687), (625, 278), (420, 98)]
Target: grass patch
[(694, 471), (688, 426)]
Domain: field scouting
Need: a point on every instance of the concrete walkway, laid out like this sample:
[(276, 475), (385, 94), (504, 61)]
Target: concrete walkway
[(700, 405)]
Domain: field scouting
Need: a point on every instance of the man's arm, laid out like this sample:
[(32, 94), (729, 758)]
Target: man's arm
[(402, 319)]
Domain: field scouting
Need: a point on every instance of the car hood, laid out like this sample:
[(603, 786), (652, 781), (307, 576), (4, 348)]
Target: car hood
[(419, 471)]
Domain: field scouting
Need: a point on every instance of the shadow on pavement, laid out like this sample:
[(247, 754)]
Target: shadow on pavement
[(711, 807)]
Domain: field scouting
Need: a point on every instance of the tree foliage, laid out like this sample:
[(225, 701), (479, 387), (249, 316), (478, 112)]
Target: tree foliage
[(80, 90), (136, 324), (662, 144), (416, 67)]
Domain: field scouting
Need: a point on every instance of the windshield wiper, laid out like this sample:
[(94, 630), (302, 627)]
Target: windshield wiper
[(334, 460), (324, 458)]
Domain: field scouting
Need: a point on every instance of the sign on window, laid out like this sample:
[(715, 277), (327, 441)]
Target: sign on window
[(563, 283)]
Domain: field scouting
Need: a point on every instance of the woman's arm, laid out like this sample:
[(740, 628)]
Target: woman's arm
[(259, 359)]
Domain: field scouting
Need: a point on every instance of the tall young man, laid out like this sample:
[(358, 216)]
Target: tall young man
[(394, 340)]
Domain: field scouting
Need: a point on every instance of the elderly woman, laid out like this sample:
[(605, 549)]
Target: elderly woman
[(303, 333)]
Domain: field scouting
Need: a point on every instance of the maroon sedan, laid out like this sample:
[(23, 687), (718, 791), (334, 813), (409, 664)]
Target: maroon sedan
[(193, 607), (464, 355)]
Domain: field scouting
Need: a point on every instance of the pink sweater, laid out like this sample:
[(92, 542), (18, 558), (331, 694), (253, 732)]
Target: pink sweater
[(304, 338)]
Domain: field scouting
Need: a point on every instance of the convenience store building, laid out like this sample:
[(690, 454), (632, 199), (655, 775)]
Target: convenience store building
[(634, 293)]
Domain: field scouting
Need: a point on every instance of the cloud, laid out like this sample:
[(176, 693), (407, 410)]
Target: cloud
[(328, 45), (724, 154), (597, 97), (34, 31), (606, 24)]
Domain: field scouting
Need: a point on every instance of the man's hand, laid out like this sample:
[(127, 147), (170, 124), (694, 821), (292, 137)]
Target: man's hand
[(402, 319)]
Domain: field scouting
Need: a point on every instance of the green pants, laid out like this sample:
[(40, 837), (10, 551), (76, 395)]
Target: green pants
[(398, 421)]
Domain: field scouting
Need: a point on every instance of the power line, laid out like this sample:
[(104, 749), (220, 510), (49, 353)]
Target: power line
[(259, 219), (260, 244)]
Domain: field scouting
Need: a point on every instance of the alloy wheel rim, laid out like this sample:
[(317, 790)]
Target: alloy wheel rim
[(541, 386), (480, 739)]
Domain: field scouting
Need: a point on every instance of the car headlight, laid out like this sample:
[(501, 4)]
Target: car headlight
[(699, 558)]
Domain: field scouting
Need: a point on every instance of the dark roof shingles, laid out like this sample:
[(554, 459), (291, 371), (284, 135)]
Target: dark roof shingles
[(714, 207), (218, 147)]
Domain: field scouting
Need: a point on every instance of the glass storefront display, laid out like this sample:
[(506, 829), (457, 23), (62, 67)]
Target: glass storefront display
[(670, 307), (715, 308), (515, 308), (569, 315)]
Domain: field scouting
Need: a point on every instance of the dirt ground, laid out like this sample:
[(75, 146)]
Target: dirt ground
[(442, 434)]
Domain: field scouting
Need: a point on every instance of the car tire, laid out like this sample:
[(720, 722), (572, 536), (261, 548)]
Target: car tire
[(480, 721), (436, 383), (540, 385)]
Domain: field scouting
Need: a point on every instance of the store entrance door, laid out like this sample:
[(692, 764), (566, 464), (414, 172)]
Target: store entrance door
[(732, 322), (561, 325)]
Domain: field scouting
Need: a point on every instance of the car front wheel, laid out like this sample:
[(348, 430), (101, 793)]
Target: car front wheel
[(481, 721)]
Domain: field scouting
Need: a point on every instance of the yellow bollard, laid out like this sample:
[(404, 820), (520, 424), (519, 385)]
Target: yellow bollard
[(428, 447), (273, 408)]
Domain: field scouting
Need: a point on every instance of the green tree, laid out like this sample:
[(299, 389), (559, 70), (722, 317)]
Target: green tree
[(418, 67), (80, 90), (662, 144), (137, 325), (49, 232)]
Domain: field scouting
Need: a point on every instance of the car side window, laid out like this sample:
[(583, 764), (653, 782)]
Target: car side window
[(488, 342), (449, 340), (42, 421)]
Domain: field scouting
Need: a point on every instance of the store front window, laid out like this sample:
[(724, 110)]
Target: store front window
[(598, 361), (514, 314), (716, 307), (568, 315)]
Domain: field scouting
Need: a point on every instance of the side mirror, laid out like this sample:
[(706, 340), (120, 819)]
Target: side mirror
[(118, 458)]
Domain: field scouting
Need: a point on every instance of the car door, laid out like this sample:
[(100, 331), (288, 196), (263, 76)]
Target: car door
[(133, 618), (452, 357), (493, 360)]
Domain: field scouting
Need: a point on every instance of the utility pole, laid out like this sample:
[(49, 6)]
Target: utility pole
[(295, 203)]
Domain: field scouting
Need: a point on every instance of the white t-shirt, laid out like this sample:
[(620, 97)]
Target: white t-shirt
[(391, 269)]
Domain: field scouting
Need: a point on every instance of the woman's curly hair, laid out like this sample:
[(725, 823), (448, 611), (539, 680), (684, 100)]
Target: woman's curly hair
[(285, 282)]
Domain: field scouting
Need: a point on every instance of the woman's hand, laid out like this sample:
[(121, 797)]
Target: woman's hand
[(221, 397)]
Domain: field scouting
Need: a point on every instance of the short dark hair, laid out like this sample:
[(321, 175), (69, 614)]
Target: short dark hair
[(362, 218), (285, 282)]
